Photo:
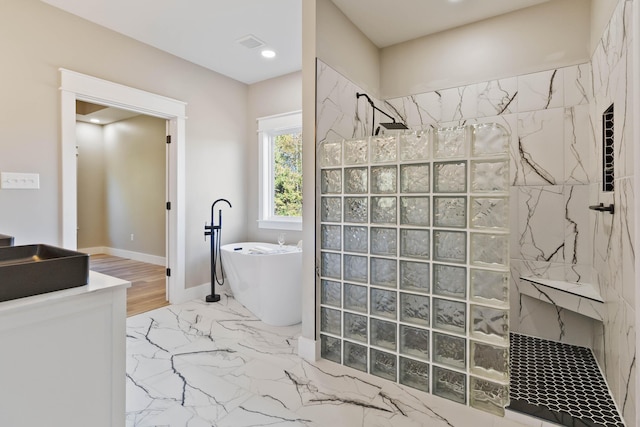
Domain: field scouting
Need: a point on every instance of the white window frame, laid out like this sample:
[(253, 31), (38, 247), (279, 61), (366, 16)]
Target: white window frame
[(268, 128)]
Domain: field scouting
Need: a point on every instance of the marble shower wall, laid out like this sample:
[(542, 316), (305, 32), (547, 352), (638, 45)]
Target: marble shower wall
[(613, 244)]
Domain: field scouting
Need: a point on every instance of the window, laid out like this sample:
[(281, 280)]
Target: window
[(280, 140)]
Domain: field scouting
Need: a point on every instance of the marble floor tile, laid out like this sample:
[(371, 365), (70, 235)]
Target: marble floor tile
[(198, 364)]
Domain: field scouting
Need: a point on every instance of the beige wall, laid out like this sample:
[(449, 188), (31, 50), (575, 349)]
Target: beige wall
[(345, 48), (521, 42), (121, 185), (91, 173), (135, 185), (36, 40), (601, 11), (270, 97)]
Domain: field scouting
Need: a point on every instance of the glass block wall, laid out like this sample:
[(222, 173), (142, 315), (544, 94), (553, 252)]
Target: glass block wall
[(414, 260)]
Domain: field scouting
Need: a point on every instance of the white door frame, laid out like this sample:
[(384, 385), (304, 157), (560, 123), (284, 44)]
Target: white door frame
[(76, 86)]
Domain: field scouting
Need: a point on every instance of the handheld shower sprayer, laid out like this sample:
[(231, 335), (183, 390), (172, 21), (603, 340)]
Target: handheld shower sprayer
[(215, 231)]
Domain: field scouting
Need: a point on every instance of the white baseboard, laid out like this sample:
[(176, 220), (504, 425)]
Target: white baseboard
[(122, 253), (196, 292), (308, 349)]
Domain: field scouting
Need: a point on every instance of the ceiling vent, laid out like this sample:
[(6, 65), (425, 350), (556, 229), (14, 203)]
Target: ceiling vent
[(250, 41)]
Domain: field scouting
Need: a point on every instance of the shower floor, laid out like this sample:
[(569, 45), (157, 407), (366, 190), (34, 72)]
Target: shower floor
[(560, 383)]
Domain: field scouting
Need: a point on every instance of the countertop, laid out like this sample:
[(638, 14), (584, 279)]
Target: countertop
[(97, 282)]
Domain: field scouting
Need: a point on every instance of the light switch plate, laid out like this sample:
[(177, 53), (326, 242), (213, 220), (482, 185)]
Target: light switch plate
[(23, 181)]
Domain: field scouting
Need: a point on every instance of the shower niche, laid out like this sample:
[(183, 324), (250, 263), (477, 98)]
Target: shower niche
[(414, 259)]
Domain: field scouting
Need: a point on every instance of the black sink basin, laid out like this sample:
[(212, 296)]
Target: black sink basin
[(37, 269), (6, 240)]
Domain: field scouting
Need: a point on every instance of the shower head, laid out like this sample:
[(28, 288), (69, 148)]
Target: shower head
[(391, 126), (394, 126)]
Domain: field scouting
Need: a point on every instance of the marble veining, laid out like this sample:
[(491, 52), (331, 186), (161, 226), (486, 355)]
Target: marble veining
[(198, 364)]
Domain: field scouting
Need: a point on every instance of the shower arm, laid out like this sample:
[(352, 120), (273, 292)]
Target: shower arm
[(358, 95)]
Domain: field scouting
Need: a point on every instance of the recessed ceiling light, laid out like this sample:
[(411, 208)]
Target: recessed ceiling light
[(268, 53), (94, 121)]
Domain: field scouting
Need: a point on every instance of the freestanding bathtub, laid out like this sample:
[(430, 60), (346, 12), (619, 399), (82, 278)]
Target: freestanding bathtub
[(266, 279)]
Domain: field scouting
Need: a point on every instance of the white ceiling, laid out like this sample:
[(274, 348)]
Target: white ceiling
[(205, 32)]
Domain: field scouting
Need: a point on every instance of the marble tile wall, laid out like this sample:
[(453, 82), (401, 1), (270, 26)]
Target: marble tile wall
[(554, 118), (613, 243)]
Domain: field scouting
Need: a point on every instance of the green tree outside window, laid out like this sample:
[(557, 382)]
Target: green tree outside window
[(287, 174)]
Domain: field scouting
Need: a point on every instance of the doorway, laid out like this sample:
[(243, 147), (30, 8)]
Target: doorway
[(76, 86), (121, 193)]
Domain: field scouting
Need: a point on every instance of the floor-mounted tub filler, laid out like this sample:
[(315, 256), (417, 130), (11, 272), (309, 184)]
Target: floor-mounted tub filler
[(266, 279)]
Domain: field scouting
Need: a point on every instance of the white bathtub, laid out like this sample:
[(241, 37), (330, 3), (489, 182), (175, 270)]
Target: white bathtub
[(269, 284)]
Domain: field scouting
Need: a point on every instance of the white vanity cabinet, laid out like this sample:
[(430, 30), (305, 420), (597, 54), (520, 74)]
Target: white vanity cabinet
[(62, 357)]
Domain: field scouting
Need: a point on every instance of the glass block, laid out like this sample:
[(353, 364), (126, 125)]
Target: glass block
[(449, 315), (356, 180), (450, 177), (355, 327), (331, 209), (384, 272), (384, 148), (331, 237), (331, 293), (330, 321), (414, 276), (355, 268), (383, 303), (331, 181), (330, 153), (489, 361), (414, 342), (383, 364), (383, 334), (384, 179), (487, 286), (414, 374), (491, 324), (490, 176), (490, 250), (330, 265), (414, 309), (331, 348), (356, 209), (450, 246), (449, 384), (489, 212), (414, 243), (489, 139), (384, 210), (488, 396), (355, 356), (384, 241), (414, 211), (449, 350), (356, 151), (450, 212), (355, 298), (414, 145), (449, 143), (450, 281), (356, 239), (414, 178)]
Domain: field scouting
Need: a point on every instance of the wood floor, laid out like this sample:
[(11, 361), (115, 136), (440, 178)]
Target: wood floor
[(147, 291)]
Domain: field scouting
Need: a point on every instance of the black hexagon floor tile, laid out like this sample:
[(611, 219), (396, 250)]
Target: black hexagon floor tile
[(560, 383)]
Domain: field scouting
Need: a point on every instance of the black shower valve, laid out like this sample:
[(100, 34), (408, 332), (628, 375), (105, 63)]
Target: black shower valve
[(602, 208)]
